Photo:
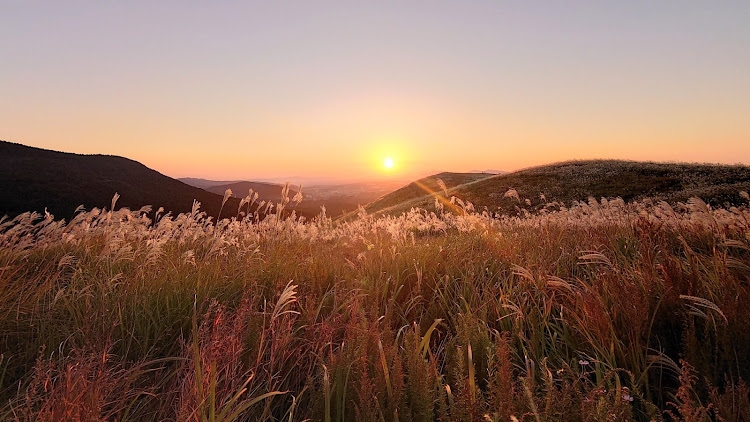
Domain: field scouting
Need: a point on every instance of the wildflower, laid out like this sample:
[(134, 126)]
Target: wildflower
[(584, 362)]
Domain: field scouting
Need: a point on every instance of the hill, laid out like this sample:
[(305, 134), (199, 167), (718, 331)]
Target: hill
[(339, 199), (204, 183), (32, 179), (578, 180), (266, 191), (423, 188), (336, 198)]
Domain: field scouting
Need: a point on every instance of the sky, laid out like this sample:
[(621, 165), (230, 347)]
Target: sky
[(249, 90)]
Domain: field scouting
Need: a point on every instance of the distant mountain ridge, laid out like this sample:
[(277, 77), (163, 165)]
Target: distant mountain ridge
[(241, 188), (204, 183), (266, 191), (35, 179), (336, 198)]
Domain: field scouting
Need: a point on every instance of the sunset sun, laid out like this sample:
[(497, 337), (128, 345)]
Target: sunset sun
[(388, 163)]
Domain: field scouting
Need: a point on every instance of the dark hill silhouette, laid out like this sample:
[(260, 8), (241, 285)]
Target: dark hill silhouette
[(578, 180), (32, 179)]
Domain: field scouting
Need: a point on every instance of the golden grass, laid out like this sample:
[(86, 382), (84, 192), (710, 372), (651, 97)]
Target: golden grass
[(575, 313)]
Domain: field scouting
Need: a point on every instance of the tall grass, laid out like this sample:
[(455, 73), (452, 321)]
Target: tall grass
[(603, 310)]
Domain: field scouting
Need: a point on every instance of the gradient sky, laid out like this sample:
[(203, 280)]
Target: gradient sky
[(242, 90)]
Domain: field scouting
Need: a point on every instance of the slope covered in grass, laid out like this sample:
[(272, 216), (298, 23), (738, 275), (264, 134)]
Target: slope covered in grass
[(578, 180), (423, 188), (602, 311)]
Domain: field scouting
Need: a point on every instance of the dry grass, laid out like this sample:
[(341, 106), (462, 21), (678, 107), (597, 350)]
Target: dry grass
[(574, 313)]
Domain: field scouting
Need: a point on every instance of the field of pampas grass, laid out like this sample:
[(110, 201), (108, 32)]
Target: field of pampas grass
[(599, 311)]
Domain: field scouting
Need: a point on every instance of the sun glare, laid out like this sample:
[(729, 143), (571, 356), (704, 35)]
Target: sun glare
[(388, 163)]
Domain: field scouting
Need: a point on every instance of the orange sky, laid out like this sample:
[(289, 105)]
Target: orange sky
[(251, 90)]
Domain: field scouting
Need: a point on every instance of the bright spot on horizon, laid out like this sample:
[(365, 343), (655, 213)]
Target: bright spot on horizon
[(388, 163)]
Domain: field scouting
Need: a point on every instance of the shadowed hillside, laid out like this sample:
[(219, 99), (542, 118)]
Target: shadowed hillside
[(336, 198), (32, 179), (204, 183), (266, 191), (578, 180)]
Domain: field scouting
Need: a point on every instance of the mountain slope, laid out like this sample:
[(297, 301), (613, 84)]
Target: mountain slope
[(203, 183), (422, 188), (337, 198), (266, 191), (578, 180), (32, 179)]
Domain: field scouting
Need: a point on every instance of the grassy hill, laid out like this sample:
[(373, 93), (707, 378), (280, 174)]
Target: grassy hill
[(422, 188), (32, 179), (578, 180)]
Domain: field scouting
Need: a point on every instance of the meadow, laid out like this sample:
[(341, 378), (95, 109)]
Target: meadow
[(590, 311)]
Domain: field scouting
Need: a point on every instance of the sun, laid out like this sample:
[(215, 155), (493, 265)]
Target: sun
[(388, 163)]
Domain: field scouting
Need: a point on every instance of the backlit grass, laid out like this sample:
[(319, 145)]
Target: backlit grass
[(599, 311)]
